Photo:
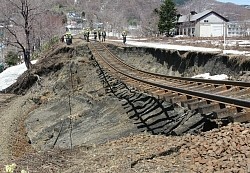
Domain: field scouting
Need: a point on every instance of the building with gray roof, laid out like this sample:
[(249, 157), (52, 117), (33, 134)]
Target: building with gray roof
[(205, 24)]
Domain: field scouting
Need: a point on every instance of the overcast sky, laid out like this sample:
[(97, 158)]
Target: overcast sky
[(240, 2)]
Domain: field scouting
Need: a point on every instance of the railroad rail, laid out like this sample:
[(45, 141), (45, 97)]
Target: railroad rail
[(218, 98)]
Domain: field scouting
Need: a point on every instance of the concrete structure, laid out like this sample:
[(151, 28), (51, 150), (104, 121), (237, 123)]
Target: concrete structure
[(204, 24), (238, 29)]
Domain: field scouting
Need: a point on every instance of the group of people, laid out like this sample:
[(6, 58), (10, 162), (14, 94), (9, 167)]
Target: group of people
[(98, 34), (101, 35)]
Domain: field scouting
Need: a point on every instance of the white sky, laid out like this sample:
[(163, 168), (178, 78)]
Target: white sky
[(239, 2)]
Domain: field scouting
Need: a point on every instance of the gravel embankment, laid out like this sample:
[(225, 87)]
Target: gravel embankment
[(221, 150)]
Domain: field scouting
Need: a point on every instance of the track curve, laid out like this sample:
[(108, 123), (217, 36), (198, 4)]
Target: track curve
[(221, 98)]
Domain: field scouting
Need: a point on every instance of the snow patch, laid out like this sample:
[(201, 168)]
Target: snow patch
[(236, 52), (10, 75), (215, 77), (170, 46)]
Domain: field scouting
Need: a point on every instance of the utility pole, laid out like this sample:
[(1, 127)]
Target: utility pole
[(224, 34), (2, 41)]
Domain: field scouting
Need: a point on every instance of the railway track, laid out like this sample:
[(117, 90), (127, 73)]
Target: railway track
[(216, 98)]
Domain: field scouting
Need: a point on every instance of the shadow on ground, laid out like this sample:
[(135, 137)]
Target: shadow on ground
[(151, 114)]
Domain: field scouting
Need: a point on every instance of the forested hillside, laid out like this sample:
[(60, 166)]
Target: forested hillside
[(120, 14)]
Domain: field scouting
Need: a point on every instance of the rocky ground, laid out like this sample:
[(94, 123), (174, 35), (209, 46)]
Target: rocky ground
[(69, 116)]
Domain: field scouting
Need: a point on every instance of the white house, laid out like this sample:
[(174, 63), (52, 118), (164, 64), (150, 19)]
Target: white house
[(205, 24)]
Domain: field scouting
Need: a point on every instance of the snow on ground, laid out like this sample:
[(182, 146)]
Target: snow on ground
[(236, 52), (215, 77), (10, 75), (174, 47), (136, 42)]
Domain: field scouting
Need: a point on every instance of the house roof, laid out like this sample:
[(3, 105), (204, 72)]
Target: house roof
[(198, 16)]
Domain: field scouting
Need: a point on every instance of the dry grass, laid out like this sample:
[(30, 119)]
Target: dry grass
[(239, 59), (19, 141)]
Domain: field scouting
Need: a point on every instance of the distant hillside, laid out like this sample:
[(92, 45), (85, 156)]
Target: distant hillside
[(231, 11), (246, 6), (119, 15)]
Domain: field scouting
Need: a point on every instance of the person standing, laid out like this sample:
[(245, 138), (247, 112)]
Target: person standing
[(103, 35), (87, 35), (95, 34), (124, 35), (99, 34), (68, 38)]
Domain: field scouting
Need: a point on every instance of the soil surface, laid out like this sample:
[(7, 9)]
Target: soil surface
[(67, 115)]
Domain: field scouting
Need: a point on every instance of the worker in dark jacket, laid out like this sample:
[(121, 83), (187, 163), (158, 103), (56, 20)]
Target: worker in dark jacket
[(95, 34), (68, 38), (84, 34), (103, 35), (99, 34), (87, 34), (124, 35)]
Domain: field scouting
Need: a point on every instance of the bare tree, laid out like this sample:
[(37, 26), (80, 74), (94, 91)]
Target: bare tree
[(117, 15), (21, 16)]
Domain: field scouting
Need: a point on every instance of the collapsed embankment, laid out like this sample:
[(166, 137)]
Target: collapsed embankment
[(185, 63), (77, 103)]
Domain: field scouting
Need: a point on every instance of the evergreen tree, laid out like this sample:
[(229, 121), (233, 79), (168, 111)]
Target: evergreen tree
[(167, 17)]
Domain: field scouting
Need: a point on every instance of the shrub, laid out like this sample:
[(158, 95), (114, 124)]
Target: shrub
[(50, 43), (1, 67), (45, 47), (12, 58)]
